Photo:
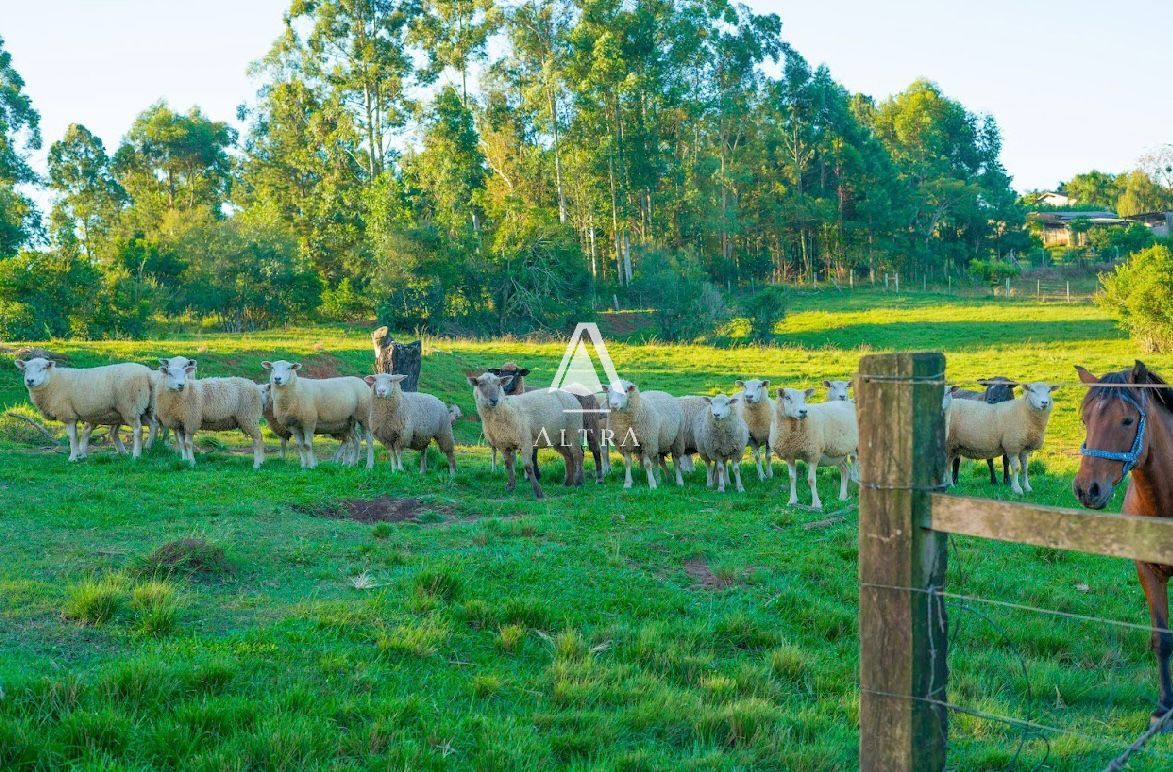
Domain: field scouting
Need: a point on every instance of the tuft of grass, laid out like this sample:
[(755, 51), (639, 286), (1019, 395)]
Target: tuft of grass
[(97, 601), (156, 602), (382, 531), (741, 722), (486, 685), (441, 584), (790, 664), (509, 638), (569, 645), (419, 639), (190, 557)]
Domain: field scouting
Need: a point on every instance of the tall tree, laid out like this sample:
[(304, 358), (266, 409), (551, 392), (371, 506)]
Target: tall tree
[(88, 197), (455, 34), (175, 162), (356, 52), (20, 134)]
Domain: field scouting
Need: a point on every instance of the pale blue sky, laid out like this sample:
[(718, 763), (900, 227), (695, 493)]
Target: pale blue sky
[(1074, 85)]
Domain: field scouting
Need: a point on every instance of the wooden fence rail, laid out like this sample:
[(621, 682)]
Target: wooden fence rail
[(903, 525)]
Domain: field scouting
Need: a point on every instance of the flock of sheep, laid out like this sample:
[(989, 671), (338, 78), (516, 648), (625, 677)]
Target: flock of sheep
[(644, 425)]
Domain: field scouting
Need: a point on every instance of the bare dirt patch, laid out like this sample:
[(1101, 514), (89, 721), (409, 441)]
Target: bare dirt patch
[(384, 509), (703, 577), (320, 366), (187, 557)]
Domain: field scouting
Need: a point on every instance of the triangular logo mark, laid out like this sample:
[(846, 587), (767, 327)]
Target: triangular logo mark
[(577, 373)]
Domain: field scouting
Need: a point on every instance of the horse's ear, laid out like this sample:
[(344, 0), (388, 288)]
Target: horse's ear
[(1085, 376), (1140, 372)]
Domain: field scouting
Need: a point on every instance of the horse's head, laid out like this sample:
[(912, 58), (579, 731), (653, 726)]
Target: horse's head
[(1114, 417)]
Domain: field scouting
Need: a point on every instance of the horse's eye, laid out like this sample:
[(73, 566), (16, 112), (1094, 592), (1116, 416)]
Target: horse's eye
[(1128, 422)]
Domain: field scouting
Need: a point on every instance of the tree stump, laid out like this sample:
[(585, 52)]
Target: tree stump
[(398, 358)]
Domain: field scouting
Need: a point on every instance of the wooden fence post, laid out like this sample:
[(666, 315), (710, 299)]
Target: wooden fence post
[(902, 643)]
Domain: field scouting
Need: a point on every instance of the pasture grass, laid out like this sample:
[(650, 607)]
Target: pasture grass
[(153, 615)]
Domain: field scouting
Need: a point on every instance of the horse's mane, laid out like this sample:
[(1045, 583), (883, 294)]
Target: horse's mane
[(1162, 395)]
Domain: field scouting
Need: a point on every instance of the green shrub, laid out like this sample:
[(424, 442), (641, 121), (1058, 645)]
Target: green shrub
[(993, 271), (1140, 293), (764, 309)]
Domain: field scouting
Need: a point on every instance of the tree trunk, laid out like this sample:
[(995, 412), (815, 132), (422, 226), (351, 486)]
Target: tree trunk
[(397, 358)]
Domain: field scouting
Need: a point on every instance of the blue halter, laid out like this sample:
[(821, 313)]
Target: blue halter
[(1130, 458)]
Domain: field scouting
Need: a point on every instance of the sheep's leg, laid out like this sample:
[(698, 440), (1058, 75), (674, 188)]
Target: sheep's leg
[(708, 473), (493, 460), (366, 432), (1015, 464), (1005, 470), (792, 466), (626, 467), (86, 432), (424, 461), (447, 444), (677, 462), (596, 454), (844, 474), (722, 474), (117, 440), (254, 432), (993, 477), (737, 478), (950, 463), (284, 445), (189, 447), (528, 451), (71, 432), (812, 468), (757, 457), (399, 459), (1023, 460), (136, 430), (510, 461), (650, 467), (307, 439)]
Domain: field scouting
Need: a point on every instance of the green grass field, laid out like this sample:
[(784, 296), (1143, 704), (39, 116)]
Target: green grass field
[(600, 628)]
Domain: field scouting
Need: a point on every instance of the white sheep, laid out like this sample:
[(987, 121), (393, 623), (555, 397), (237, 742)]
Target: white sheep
[(691, 408), (403, 421), (111, 395), (820, 434), (350, 441), (1014, 429), (189, 404), (721, 436), (647, 424), (757, 410), (837, 391), (544, 418), (307, 406)]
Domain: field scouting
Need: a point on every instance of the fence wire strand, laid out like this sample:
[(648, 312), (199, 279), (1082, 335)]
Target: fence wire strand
[(1031, 729)]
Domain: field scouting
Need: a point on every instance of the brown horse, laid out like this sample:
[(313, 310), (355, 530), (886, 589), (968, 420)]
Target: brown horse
[(1131, 430)]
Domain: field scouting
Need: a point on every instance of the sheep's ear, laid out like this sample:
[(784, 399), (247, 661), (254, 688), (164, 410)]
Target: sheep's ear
[(809, 393), (370, 379), (494, 370), (523, 371), (630, 388), (472, 380), (734, 399), (506, 380), (190, 367), (1055, 388), (19, 364), (827, 384), (164, 361), (295, 366), (766, 385), (397, 378), (954, 389), (267, 365), (708, 399), (1085, 376), (606, 389), (779, 392), (739, 384)]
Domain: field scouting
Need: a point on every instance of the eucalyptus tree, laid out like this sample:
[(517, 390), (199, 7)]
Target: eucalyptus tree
[(20, 135), (89, 199)]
